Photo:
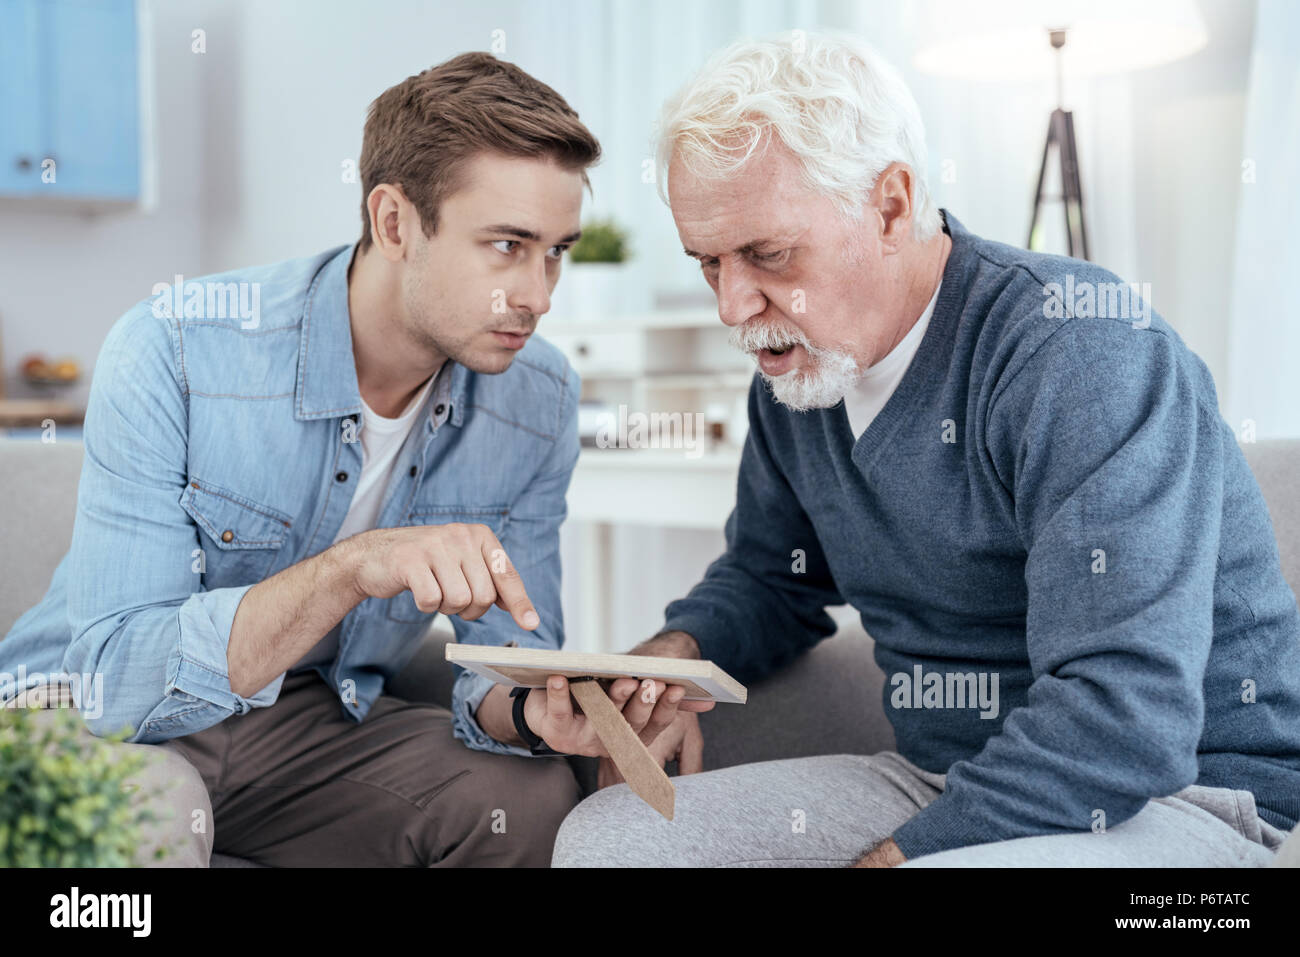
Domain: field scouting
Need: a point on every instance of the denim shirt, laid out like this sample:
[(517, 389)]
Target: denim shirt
[(222, 445)]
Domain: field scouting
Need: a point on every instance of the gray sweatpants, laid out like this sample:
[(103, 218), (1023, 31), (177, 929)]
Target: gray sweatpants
[(829, 811)]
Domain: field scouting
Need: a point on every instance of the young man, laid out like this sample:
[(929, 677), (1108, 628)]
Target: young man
[(1016, 473), (290, 469)]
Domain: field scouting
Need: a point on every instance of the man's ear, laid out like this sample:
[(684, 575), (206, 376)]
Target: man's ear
[(893, 201), (391, 218)]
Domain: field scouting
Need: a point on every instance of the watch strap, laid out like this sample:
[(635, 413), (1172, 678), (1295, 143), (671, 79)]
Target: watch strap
[(535, 744)]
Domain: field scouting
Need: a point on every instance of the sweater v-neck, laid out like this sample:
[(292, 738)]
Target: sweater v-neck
[(927, 365)]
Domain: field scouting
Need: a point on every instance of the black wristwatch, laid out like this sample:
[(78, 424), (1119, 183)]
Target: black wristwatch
[(535, 744)]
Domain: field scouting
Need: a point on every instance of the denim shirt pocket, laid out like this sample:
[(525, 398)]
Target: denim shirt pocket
[(402, 607), (242, 537)]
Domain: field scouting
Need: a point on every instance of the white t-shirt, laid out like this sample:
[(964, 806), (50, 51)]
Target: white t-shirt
[(381, 441), (868, 396)]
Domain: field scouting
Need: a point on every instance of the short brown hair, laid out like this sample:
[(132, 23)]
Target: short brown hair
[(420, 133)]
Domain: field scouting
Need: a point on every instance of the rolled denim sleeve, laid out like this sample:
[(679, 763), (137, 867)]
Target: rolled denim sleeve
[(138, 612), (467, 694), (532, 540)]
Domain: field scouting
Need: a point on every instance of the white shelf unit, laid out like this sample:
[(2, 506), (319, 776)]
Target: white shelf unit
[(660, 362)]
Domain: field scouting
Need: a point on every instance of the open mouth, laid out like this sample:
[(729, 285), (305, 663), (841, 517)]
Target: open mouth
[(779, 361)]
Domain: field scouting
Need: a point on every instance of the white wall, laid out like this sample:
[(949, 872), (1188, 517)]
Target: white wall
[(1160, 153), (252, 135), (66, 277), (1264, 334), (1187, 122)]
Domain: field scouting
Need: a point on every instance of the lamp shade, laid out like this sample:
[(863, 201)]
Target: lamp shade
[(1008, 39)]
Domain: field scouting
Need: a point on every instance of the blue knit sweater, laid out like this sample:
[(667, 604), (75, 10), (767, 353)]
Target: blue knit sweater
[(1052, 536)]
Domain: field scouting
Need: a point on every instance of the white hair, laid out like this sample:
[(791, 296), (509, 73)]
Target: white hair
[(834, 102)]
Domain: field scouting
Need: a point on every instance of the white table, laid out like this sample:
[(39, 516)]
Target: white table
[(650, 487)]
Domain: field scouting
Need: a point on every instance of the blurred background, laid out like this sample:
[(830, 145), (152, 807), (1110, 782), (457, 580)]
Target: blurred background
[(144, 140)]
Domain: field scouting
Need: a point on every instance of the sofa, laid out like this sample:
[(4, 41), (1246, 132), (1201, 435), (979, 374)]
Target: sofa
[(827, 702)]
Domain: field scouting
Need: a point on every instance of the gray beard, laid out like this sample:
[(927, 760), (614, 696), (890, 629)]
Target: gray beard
[(832, 374)]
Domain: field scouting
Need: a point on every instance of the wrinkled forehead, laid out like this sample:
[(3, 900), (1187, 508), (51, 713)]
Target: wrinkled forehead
[(765, 198)]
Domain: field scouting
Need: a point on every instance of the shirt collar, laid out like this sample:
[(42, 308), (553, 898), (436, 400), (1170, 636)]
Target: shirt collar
[(327, 371)]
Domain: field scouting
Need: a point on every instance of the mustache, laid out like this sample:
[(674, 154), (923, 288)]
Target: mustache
[(529, 327), (753, 337)]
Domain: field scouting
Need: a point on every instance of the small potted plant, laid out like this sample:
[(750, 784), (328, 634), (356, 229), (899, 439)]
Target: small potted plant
[(65, 798), (596, 282)]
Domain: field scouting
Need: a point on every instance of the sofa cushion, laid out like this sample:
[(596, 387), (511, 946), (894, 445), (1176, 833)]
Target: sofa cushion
[(1276, 465), (38, 483)]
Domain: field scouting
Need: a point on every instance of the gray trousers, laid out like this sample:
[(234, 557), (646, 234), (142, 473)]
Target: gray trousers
[(298, 784), (829, 811)]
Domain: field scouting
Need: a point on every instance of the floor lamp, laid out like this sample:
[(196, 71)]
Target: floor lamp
[(1060, 134), (1003, 41)]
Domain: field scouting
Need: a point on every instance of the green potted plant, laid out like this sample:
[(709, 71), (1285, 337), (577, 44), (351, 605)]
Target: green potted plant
[(602, 242), (65, 798), (596, 282)]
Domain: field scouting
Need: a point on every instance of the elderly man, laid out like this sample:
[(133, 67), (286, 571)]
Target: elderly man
[(1017, 474)]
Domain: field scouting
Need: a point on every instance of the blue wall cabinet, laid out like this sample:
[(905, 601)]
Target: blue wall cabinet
[(69, 100)]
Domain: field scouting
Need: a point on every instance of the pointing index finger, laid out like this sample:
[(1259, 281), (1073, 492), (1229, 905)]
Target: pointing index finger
[(511, 595)]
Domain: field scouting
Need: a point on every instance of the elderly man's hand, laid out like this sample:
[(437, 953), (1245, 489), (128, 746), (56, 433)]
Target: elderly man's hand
[(682, 740), (884, 854)]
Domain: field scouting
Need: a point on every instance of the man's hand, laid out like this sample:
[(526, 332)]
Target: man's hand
[(454, 569), (884, 854), (670, 644), (648, 707), (682, 740)]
